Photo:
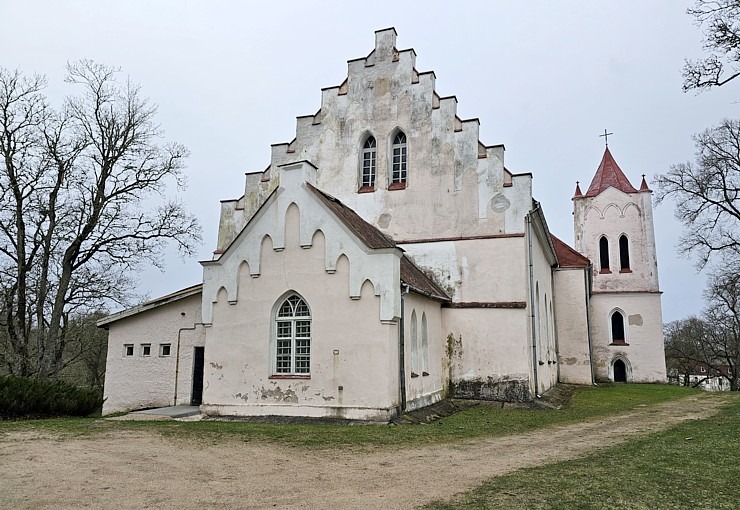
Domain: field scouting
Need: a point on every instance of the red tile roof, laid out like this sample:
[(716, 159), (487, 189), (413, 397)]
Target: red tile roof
[(418, 281), (567, 256), (609, 175), (578, 193), (643, 184), (368, 234), (375, 239)]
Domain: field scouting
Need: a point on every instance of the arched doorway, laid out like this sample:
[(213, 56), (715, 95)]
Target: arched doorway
[(620, 371)]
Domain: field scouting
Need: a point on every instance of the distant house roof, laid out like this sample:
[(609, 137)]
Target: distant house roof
[(609, 175), (567, 256), (150, 305)]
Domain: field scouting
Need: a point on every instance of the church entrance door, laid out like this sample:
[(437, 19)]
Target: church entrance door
[(198, 365), (620, 371)]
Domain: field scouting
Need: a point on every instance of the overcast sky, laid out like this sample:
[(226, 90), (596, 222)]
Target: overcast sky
[(545, 78)]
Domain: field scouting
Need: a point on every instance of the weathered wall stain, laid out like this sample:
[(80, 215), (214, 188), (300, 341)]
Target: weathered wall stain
[(502, 389)]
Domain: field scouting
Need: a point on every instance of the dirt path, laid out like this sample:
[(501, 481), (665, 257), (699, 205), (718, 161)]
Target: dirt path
[(135, 470)]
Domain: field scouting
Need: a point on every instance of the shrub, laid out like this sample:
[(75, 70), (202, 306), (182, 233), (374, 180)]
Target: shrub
[(22, 397)]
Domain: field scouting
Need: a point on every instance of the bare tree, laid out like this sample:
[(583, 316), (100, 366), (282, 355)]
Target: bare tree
[(720, 21), (707, 193), (683, 340), (78, 213), (713, 341)]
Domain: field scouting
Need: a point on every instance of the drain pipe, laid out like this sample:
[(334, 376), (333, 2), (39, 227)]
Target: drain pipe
[(532, 305), (402, 352), (587, 286), (177, 357)]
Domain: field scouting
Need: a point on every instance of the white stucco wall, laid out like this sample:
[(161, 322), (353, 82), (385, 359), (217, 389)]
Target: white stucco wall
[(354, 355), (571, 321), (138, 382), (643, 354), (542, 261), (612, 214), (426, 382)]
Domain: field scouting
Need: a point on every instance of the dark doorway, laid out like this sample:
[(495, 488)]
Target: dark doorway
[(620, 371), (198, 363)]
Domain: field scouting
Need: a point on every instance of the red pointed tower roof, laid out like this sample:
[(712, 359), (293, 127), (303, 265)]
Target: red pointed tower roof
[(578, 193), (609, 175)]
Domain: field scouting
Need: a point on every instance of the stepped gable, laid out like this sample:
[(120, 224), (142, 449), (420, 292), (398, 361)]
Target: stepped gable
[(609, 175), (567, 256)]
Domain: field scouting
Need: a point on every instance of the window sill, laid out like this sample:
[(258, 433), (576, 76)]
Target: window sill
[(397, 185), (625, 270), (366, 189), (619, 343), (290, 376), (605, 271)]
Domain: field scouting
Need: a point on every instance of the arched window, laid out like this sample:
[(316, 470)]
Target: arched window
[(414, 345), (399, 155), (617, 328), (424, 345), (624, 253), (293, 337), (367, 179), (604, 254)]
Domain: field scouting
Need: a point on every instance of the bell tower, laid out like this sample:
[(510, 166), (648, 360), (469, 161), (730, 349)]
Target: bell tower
[(613, 226)]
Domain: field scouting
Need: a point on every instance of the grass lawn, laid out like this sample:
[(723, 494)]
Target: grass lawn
[(693, 465), (475, 422)]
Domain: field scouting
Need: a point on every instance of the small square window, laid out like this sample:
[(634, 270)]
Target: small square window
[(164, 350), (146, 349), (128, 350)]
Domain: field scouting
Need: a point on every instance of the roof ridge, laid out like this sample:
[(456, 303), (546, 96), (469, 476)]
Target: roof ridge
[(607, 175)]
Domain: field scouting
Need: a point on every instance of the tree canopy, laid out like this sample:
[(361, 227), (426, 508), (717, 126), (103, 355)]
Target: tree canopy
[(720, 22), (707, 194), (83, 205)]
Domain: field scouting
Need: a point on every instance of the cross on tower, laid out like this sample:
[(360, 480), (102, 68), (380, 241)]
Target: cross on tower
[(606, 137)]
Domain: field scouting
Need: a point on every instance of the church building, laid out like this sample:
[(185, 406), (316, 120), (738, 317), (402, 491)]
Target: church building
[(386, 259)]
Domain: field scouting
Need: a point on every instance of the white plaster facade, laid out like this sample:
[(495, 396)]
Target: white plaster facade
[(492, 306), (134, 380)]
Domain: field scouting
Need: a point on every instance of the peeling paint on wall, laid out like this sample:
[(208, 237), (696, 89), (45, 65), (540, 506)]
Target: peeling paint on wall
[(277, 394)]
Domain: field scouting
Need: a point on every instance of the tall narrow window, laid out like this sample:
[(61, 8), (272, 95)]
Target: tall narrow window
[(617, 327), (368, 165), (414, 345), (604, 254), (398, 163), (293, 337), (424, 345), (624, 254)]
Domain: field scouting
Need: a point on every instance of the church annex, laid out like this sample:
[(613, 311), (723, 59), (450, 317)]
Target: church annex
[(386, 259)]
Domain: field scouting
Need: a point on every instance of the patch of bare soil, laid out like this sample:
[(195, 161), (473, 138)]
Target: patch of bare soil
[(146, 470)]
